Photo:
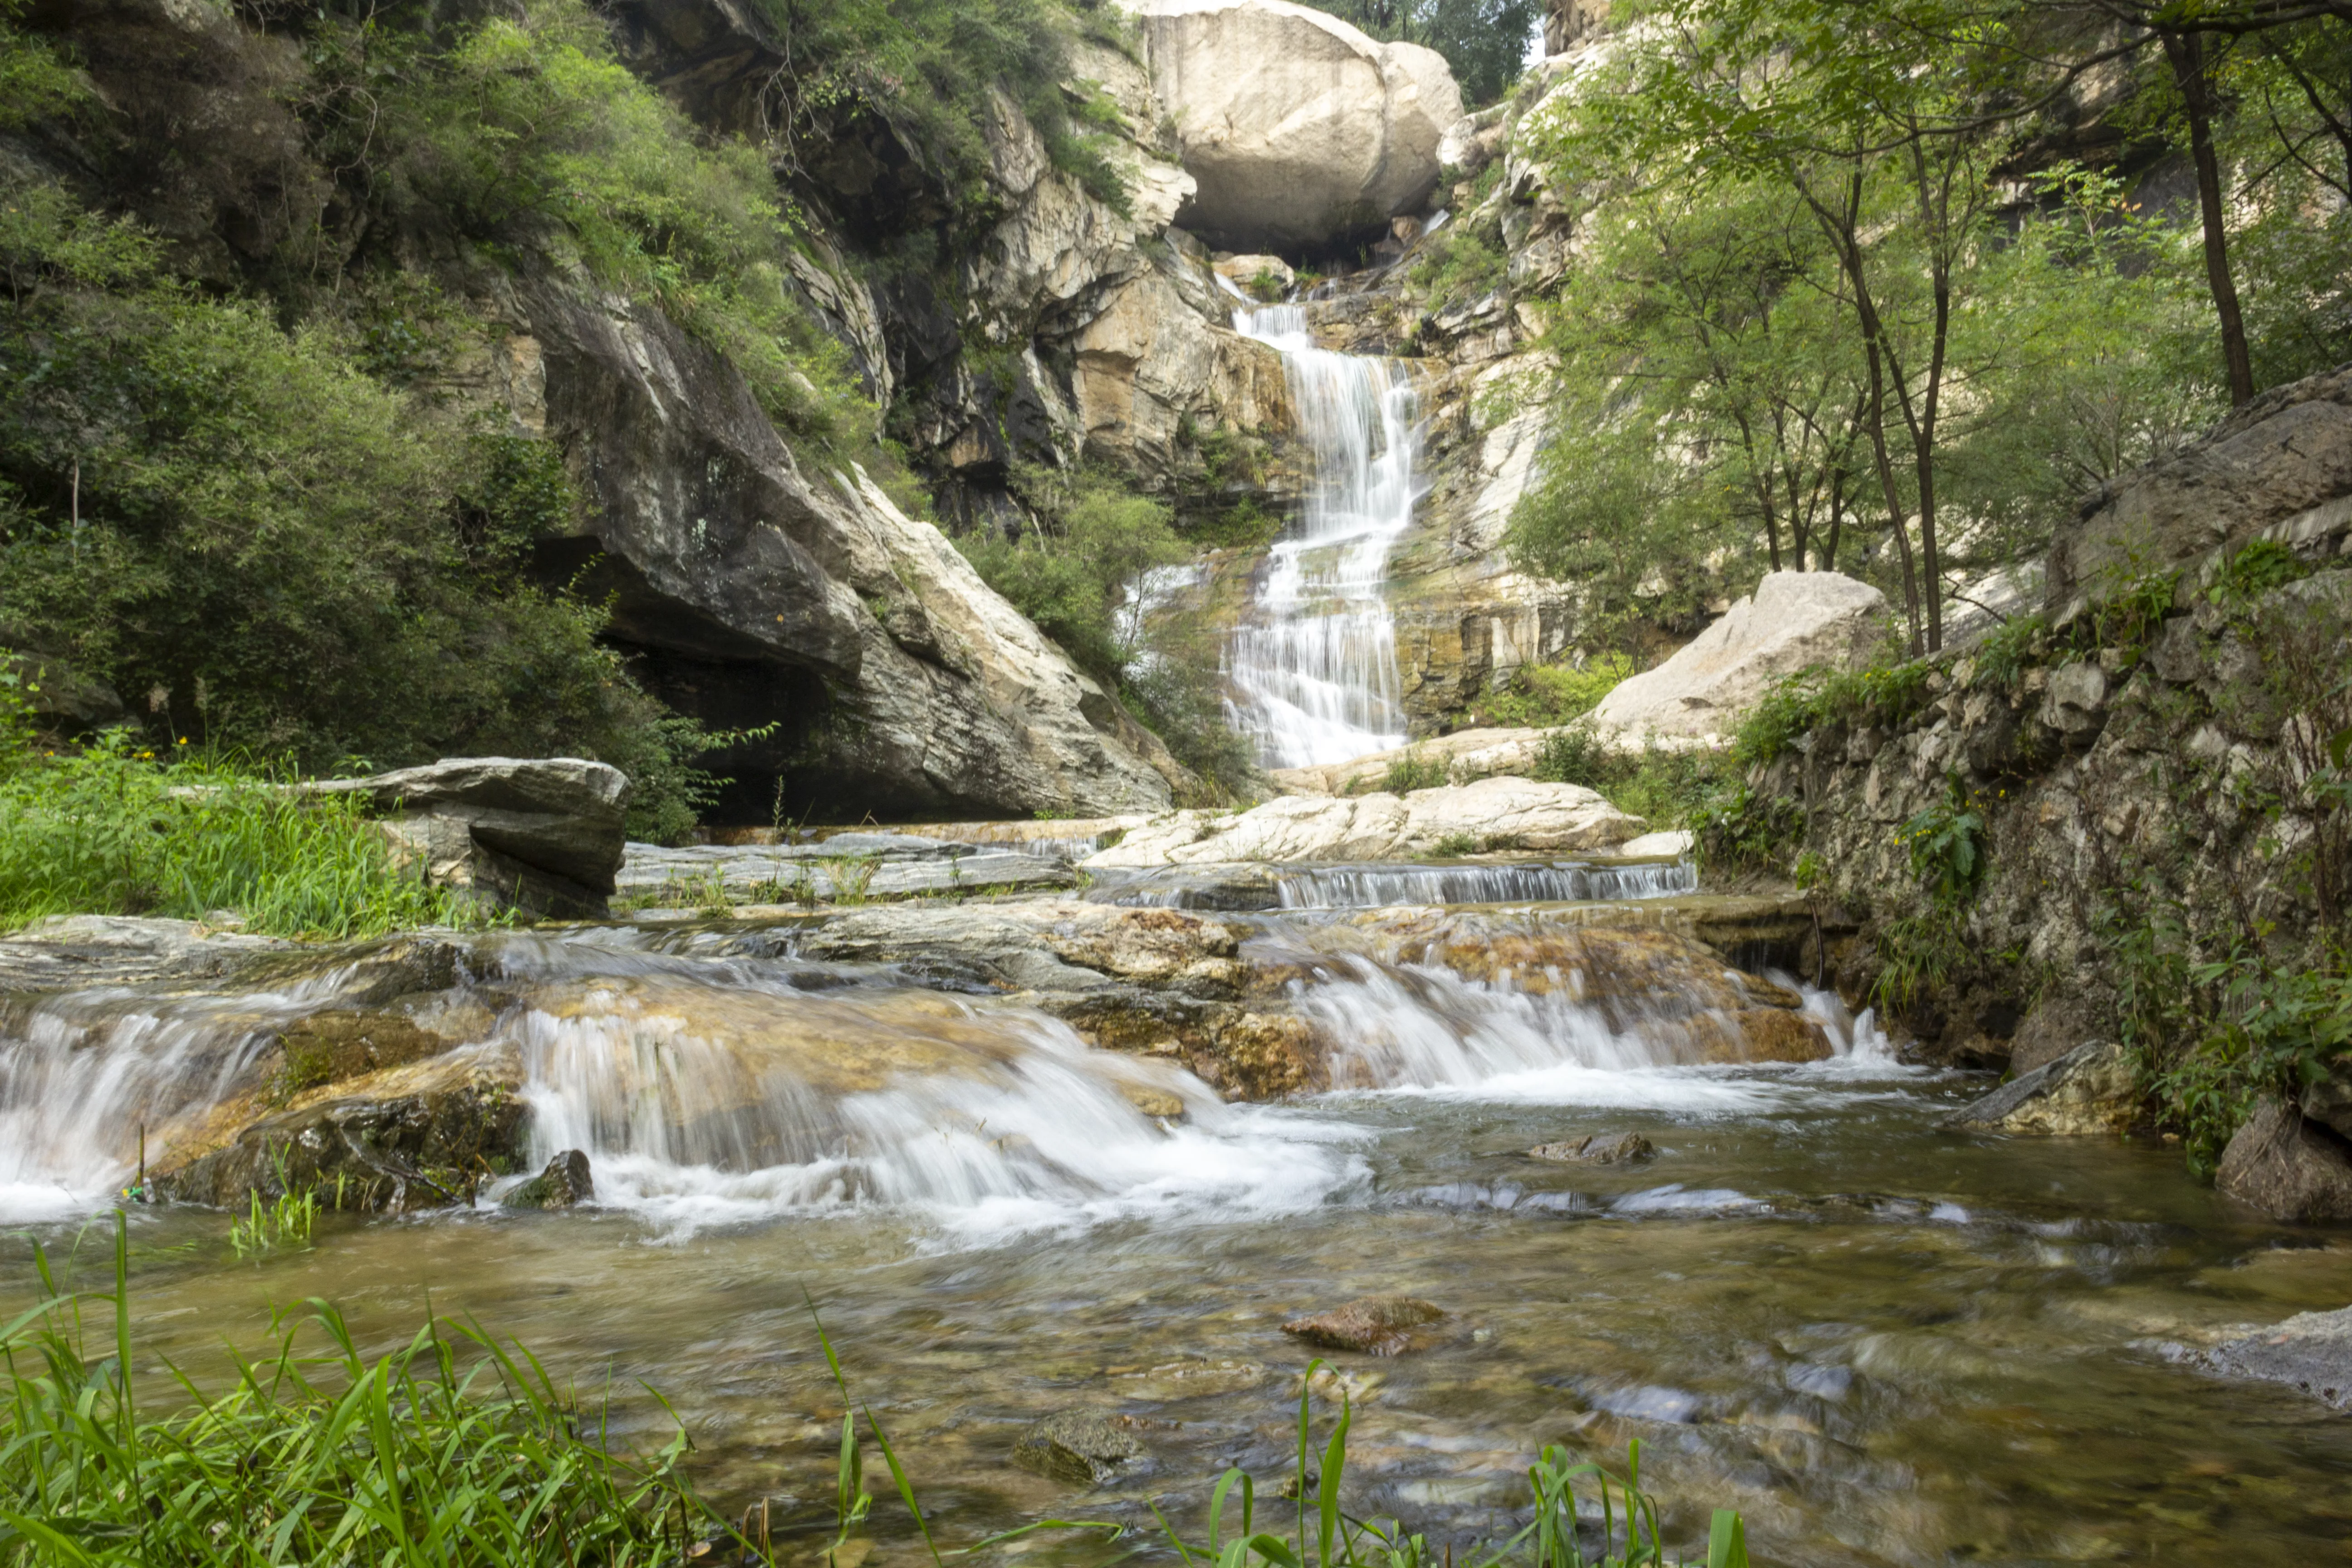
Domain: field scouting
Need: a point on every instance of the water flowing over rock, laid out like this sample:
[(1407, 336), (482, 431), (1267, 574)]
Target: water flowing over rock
[(1493, 814), (1082, 1446), (567, 1180), (1596, 1148), (1313, 663), (1793, 620), (1298, 129)]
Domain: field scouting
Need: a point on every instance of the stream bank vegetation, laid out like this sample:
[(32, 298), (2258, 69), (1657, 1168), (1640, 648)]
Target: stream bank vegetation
[(459, 1450)]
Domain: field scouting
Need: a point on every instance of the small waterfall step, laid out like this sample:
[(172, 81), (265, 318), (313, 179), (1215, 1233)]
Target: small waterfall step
[(1250, 887)]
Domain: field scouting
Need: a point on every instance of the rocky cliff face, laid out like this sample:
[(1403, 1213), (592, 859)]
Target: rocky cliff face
[(2150, 766)]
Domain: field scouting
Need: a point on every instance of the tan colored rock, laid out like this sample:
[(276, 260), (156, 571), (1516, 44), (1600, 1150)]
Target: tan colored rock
[(1593, 1149), (1375, 1325), (1492, 813), (1248, 270), (1150, 362), (1298, 127), (1795, 620), (2092, 1089)]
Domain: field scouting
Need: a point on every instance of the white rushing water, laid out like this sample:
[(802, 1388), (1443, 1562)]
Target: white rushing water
[(1313, 667), (723, 1081)]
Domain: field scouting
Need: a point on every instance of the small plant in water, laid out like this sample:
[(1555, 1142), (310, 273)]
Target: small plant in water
[(279, 1227)]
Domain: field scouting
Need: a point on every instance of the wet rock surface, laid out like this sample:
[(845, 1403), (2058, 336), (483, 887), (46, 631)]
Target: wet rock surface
[(2312, 1351), (566, 1181), (1082, 1446), (848, 867), (2288, 1167), (74, 950), (1373, 1325), (2091, 1090)]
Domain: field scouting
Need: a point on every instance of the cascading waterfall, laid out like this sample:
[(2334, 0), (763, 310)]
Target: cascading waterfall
[(1314, 669)]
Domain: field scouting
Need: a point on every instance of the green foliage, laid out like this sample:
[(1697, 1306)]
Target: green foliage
[(1459, 267), (1079, 573), (275, 550), (1797, 704), (282, 1226), (1744, 829), (36, 81), (1485, 41), (1454, 845), (928, 67), (2252, 570), (2130, 617), (112, 829), (2003, 654), (529, 120), (453, 1449), (1413, 772), (1917, 956), (1576, 756), (1945, 843), (1543, 695)]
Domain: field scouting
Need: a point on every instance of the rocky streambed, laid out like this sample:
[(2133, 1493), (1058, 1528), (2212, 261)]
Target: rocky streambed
[(1082, 1180)]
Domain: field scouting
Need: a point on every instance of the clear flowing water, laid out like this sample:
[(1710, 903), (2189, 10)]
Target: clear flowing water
[(1885, 1342), (1313, 665)]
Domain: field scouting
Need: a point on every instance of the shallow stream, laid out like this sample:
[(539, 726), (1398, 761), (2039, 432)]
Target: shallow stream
[(1885, 1342)]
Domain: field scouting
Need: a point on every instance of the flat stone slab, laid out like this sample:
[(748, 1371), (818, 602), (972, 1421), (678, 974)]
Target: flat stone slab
[(849, 867), (2090, 1090)]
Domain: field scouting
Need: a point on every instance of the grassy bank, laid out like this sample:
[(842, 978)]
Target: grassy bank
[(457, 1450), (114, 827)]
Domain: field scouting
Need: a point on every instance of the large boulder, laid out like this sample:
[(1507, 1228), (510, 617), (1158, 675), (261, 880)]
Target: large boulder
[(542, 834), (1471, 753), (2287, 1167), (1298, 128), (1491, 815), (2279, 468), (1795, 620)]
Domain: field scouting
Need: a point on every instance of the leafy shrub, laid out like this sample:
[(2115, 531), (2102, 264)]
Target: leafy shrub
[(1543, 695), (2252, 570), (1945, 843), (1413, 772), (1742, 828), (1800, 703), (2003, 653), (1576, 756), (1458, 267), (929, 67)]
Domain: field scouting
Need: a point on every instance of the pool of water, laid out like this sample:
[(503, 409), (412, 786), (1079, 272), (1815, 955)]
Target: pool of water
[(1885, 1342)]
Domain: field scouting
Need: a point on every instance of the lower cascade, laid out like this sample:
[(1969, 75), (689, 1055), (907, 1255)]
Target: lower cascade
[(1313, 665)]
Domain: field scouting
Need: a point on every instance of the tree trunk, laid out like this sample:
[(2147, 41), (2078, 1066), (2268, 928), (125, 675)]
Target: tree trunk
[(2187, 53)]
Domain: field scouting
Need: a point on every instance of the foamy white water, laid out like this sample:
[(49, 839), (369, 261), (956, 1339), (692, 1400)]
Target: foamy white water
[(1313, 667)]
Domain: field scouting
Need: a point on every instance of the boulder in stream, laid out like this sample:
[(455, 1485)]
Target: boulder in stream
[(1083, 1447), (1596, 1149), (566, 1181), (2287, 1167), (2312, 1351), (2090, 1090), (1376, 1325)]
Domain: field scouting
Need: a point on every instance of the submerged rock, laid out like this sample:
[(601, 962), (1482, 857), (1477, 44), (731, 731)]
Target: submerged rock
[(1079, 1445), (2312, 1351), (2090, 1090), (2287, 1167), (1795, 620), (1375, 1325), (566, 1181), (1595, 1149)]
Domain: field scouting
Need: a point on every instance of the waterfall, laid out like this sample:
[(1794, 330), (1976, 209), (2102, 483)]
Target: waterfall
[(1313, 667)]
